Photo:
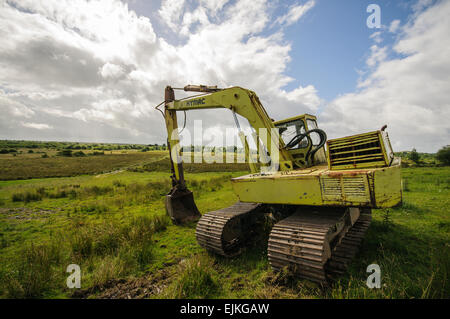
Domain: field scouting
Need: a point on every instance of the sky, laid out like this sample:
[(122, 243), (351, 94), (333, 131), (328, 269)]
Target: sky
[(92, 71)]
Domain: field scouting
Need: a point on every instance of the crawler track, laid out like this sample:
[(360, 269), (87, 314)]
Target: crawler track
[(302, 242), (344, 252), (225, 231)]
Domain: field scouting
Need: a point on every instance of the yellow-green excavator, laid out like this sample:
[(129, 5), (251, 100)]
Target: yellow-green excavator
[(325, 188)]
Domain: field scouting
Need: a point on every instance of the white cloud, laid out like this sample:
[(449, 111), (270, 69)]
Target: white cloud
[(110, 70), (171, 13), (213, 5), (377, 55), (307, 95), (198, 15), (295, 13), (393, 27), (13, 108), (37, 126), (422, 4), (376, 36)]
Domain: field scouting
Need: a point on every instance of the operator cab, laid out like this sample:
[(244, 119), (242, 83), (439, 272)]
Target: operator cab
[(301, 144)]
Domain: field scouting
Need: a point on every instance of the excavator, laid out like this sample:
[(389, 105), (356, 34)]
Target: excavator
[(320, 191)]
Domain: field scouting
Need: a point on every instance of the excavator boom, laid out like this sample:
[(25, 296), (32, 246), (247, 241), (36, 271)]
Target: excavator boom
[(180, 204)]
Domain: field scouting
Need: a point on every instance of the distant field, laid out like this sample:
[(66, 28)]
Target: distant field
[(114, 226), (22, 167), (26, 166), (163, 165)]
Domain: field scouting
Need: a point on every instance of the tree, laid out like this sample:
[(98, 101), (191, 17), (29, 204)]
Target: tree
[(79, 154), (65, 152), (443, 155), (414, 156)]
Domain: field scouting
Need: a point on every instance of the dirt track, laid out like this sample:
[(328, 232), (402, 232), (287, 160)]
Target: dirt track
[(136, 288)]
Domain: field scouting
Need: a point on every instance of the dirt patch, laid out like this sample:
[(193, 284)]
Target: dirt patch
[(24, 213), (109, 173), (136, 288)]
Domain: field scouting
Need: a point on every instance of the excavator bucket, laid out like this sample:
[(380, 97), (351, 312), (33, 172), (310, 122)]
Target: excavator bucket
[(180, 206)]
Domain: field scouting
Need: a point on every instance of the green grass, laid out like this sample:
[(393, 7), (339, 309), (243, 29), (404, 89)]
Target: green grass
[(197, 279), (114, 227)]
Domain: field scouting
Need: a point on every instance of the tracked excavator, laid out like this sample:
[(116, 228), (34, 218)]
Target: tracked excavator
[(321, 191)]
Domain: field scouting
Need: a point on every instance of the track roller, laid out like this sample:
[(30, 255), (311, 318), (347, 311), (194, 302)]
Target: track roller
[(226, 231), (317, 243)]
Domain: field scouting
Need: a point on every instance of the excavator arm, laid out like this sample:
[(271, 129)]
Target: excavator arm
[(180, 204), (239, 101)]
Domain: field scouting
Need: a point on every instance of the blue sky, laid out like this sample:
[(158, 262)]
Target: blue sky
[(332, 41)]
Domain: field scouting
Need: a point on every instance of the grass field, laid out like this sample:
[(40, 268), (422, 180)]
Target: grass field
[(113, 225), (25, 167)]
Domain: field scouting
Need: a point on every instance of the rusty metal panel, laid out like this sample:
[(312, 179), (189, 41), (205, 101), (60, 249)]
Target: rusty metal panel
[(343, 188), (357, 151)]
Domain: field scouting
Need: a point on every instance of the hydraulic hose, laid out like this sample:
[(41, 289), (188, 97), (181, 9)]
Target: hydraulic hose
[(299, 137)]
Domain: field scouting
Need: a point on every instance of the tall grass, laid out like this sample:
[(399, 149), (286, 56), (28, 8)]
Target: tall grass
[(197, 279), (35, 272), (28, 196), (103, 251), (108, 268)]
